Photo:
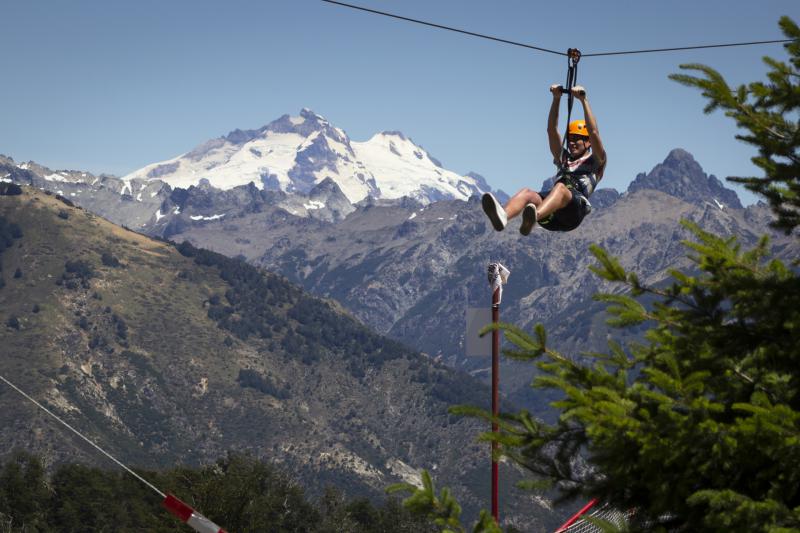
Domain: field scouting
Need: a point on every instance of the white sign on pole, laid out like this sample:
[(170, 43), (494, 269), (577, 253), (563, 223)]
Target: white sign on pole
[(477, 319)]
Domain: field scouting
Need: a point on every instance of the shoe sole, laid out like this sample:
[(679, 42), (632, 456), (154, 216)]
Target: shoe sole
[(490, 208), (528, 219)]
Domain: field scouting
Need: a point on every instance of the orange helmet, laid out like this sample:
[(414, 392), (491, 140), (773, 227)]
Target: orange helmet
[(578, 127)]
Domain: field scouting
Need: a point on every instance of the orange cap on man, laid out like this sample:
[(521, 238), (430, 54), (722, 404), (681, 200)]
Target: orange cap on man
[(578, 127)]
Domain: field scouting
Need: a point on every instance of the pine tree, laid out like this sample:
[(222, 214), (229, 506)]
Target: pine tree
[(765, 110), (23, 493), (697, 426)]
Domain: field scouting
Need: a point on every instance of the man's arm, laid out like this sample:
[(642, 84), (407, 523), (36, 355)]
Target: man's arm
[(598, 149), (553, 136)]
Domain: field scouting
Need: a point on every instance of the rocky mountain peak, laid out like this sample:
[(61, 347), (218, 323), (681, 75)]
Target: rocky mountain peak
[(326, 186), (681, 176), (680, 159), (305, 125), (483, 185), (293, 154), (239, 137), (394, 133), (327, 201)]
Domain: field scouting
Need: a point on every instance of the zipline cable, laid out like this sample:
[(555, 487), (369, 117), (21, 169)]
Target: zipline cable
[(597, 54), (78, 433), (442, 27), (540, 49), (181, 510)]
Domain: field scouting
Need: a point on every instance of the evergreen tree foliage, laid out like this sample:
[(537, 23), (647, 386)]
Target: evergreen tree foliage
[(697, 426), (245, 494), (8, 232), (266, 306), (238, 492), (23, 493), (79, 270), (108, 259), (766, 111), (253, 379), (9, 189), (442, 510)]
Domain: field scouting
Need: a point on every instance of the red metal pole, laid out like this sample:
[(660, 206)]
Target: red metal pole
[(495, 399)]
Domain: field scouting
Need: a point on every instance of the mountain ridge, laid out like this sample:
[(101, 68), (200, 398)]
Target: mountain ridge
[(681, 176), (294, 153), (411, 271), (164, 354)]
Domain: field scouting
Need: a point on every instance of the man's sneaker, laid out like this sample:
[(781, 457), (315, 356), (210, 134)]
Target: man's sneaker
[(528, 219), (494, 211)]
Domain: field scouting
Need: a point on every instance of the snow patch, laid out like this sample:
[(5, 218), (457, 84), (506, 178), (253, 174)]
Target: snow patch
[(314, 204), (413, 215), (201, 217), (23, 166), (389, 165), (721, 206), (401, 168), (139, 197), (177, 210), (159, 216)]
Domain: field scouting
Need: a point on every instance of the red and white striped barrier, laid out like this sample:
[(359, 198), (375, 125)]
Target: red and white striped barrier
[(190, 517), (577, 516)]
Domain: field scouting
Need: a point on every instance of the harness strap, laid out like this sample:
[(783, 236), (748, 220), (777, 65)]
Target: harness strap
[(573, 56)]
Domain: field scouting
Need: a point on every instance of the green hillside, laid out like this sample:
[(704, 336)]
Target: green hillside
[(167, 355)]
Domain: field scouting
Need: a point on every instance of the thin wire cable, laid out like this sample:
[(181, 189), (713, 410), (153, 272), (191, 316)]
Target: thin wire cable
[(78, 433), (596, 54), (442, 27), (530, 46)]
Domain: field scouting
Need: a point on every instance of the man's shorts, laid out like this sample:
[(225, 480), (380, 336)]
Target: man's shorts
[(567, 218)]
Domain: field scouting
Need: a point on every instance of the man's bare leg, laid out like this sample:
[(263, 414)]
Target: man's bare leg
[(558, 198), (518, 202)]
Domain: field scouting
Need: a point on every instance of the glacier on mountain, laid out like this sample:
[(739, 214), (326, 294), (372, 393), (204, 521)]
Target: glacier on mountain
[(295, 153)]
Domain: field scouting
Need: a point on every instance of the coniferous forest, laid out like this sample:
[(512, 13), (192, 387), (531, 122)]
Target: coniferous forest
[(77, 498)]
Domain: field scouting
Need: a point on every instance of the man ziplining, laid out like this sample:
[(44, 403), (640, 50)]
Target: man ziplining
[(580, 166)]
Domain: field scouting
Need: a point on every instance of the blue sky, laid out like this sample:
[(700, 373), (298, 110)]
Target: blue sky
[(113, 86)]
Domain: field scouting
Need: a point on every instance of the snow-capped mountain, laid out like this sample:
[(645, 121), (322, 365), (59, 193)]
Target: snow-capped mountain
[(296, 153)]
